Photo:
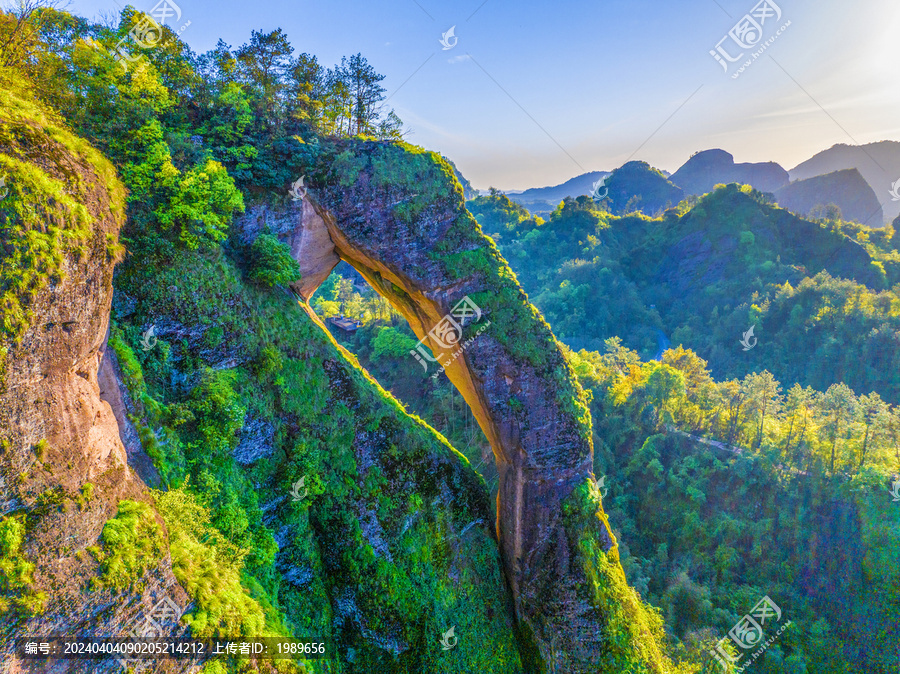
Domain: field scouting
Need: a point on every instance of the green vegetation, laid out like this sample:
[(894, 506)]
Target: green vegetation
[(500, 216), (271, 262), (40, 450), (636, 630), (208, 566), (285, 383), (834, 431), (18, 599), (338, 296), (732, 508), (702, 274), (795, 448), (430, 190), (85, 495), (391, 343), (202, 204), (383, 344), (637, 187), (132, 544), (162, 448), (243, 396), (43, 218)]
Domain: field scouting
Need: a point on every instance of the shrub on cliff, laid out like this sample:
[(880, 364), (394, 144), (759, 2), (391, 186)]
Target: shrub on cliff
[(209, 567), (201, 205), (271, 262), (219, 410), (132, 544), (16, 574)]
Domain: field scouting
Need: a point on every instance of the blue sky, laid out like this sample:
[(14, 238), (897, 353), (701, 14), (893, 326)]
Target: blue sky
[(534, 93)]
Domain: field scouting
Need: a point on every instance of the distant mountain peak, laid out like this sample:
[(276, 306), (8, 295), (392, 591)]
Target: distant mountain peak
[(877, 162), (638, 186), (846, 188), (708, 168)]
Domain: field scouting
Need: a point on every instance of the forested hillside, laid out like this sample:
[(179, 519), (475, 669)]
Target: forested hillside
[(289, 495), (817, 293), (786, 433)]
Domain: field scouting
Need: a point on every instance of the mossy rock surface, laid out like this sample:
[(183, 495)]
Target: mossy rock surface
[(54, 186)]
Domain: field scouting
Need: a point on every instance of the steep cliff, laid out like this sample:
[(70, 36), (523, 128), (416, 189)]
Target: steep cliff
[(398, 216), (359, 522), (63, 469), (296, 496)]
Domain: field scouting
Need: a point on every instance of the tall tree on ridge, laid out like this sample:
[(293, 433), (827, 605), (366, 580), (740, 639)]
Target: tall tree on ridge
[(366, 90), (839, 404), (798, 407), (264, 63), (307, 89), (873, 411), (764, 397)]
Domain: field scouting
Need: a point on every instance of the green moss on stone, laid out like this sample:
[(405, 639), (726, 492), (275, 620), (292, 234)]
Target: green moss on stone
[(635, 632), (44, 214)]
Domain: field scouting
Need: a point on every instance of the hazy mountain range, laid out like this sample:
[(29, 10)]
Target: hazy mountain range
[(543, 199), (857, 179)]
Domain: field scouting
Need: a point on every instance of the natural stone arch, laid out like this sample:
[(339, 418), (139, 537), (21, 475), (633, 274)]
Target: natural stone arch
[(398, 216)]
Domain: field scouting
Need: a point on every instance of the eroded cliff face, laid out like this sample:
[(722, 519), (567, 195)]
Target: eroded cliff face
[(56, 433), (50, 390), (398, 216)]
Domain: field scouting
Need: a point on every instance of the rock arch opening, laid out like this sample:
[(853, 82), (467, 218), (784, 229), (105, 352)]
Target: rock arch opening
[(399, 218)]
